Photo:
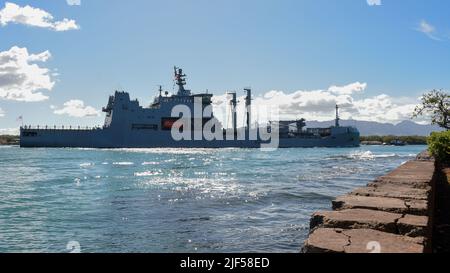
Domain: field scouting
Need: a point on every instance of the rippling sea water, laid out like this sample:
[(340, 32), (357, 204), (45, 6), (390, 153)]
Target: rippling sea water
[(174, 200)]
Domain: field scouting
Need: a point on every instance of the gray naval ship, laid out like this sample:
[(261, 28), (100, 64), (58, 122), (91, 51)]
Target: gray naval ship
[(129, 125)]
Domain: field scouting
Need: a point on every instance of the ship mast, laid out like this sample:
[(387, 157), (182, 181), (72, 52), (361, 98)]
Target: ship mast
[(180, 80), (337, 116), (160, 91), (248, 105), (233, 104)]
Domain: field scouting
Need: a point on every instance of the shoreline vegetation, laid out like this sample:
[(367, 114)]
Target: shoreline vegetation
[(388, 140)]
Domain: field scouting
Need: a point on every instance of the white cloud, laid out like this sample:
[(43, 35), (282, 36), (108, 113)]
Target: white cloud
[(348, 89), (382, 108), (76, 108), (374, 2), (35, 17), (73, 2), (21, 79), (2, 113), (427, 29), (9, 131), (320, 105)]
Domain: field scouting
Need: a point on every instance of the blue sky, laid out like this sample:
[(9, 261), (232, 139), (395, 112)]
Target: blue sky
[(379, 58)]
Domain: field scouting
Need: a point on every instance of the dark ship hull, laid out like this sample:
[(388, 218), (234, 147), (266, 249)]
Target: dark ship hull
[(109, 138)]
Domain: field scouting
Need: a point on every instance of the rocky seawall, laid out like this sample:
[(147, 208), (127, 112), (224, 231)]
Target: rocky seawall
[(9, 140), (393, 214)]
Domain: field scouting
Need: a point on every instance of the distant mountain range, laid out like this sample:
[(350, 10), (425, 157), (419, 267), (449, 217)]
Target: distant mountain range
[(370, 128), (366, 128)]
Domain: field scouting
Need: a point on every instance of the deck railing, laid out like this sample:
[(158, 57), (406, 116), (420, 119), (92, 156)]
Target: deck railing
[(68, 128)]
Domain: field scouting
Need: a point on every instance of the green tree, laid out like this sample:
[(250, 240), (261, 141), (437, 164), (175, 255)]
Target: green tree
[(439, 145), (437, 104)]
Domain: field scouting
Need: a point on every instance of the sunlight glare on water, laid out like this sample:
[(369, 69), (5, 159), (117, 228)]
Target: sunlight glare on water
[(176, 200)]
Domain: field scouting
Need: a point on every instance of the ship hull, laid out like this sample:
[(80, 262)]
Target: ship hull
[(108, 138)]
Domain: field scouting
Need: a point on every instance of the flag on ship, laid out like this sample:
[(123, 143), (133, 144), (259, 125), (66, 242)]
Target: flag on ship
[(20, 119)]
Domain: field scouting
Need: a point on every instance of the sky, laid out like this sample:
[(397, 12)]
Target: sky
[(61, 59)]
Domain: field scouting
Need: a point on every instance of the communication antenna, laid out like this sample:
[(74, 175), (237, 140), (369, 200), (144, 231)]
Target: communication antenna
[(160, 90)]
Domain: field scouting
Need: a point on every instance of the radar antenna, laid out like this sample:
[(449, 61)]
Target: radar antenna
[(180, 80)]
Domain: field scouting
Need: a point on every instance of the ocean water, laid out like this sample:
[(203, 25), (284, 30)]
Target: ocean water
[(174, 200)]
